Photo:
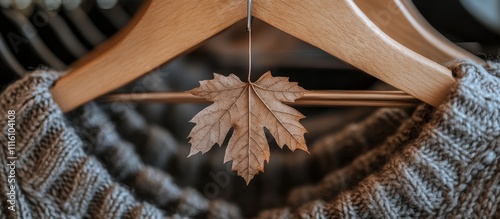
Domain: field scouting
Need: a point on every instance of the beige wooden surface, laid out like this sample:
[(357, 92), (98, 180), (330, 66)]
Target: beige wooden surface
[(311, 98), (401, 20), (167, 28)]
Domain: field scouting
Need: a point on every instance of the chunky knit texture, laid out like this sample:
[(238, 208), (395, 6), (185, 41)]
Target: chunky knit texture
[(441, 163), (58, 175), (109, 163), (54, 176), (128, 167)]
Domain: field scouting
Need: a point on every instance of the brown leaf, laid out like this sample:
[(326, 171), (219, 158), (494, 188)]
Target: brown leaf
[(248, 108)]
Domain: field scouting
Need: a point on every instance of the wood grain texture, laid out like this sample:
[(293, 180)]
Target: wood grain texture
[(167, 28), (401, 20), (311, 98), (343, 30), (160, 32)]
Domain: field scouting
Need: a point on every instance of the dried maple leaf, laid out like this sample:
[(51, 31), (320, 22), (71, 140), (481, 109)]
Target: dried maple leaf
[(248, 108)]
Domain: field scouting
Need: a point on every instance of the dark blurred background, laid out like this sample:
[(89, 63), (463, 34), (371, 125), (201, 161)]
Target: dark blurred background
[(55, 33)]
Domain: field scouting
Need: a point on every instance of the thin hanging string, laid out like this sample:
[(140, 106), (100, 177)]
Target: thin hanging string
[(249, 29), (249, 53), (312, 98)]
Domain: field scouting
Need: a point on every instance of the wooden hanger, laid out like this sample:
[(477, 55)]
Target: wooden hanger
[(402, 21), (316, 98), (163, 29)]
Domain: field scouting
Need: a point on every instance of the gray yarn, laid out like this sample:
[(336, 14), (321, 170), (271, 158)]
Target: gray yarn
[(127, 166), (441, 163), (57, 176), (436, 163), (54, 176)]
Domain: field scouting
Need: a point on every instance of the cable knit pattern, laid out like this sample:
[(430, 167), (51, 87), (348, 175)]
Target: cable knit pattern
[(442, 163)]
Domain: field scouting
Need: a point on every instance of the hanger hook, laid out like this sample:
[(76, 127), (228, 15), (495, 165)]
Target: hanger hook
[(249, 15)]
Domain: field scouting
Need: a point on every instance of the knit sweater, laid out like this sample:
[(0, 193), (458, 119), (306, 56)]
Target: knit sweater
[(61, 174), (397, 163), (441, 163)]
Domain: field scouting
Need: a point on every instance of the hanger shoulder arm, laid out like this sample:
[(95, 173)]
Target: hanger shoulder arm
[(402, 21), (161, 31), (341, 29), (436, 40)]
